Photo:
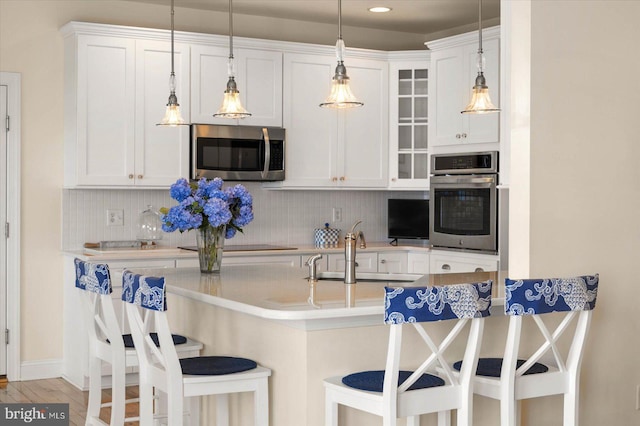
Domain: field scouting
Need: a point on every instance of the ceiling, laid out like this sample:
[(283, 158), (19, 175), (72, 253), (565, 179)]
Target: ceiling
[(418, 17)]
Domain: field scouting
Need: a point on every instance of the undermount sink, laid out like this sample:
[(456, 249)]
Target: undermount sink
[(369, 276)]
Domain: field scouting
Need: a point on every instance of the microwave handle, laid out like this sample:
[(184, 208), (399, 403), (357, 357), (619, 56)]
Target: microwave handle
[(267, 152)]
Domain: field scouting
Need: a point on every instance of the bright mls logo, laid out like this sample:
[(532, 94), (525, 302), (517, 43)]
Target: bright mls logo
[(34, 414)]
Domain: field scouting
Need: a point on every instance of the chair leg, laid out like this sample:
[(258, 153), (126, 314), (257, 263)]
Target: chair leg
[(118, 392), (222, 409), (444, 418), (192, 406), (570, 409), (95, 390), (146, 404), (175, 407), (507, 413), (261, 405), (330, 410)]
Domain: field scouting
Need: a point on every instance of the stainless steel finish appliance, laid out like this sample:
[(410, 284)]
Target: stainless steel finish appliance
[(248, 153), (463, 207)]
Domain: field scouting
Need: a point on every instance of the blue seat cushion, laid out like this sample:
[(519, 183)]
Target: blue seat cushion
[(373, 381), (491, 367), (215, 365), (177, 339)]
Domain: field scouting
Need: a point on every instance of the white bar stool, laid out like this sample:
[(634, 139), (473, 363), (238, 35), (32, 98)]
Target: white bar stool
[(393, 393), (511, 379), (161, 369), (106, 343)]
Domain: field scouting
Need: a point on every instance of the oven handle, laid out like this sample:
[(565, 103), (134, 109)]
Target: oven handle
[(474, 181), (267, 152)]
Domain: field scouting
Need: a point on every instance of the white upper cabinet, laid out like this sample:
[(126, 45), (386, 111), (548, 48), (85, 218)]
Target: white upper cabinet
[(161, 152), (258, 76), (409, 124), (329, 148), (116, 90), (453, 73)]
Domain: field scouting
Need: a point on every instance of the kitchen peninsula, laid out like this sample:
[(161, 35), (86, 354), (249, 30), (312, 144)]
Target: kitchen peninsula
[(304, 331), (271, 313)]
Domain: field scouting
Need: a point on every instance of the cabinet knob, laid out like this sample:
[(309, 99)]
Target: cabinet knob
[(479, 270), (334, 179), (140, 176), (130, 176), (342, 178), (458, 135), (446, 267), (357, 264), (383, 261), (393, 179), (464, 135)]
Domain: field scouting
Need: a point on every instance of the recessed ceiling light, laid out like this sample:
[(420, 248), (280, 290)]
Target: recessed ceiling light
[(379, 9)]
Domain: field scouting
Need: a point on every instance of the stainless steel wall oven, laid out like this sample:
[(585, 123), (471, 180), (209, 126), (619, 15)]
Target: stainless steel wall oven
[(464, 201)]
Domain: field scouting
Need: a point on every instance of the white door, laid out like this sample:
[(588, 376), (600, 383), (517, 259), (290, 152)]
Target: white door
[(3, 220)]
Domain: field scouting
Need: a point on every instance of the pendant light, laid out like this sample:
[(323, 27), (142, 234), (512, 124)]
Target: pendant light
[(480, 99), (341, 95), (172, 116), (231, 105)]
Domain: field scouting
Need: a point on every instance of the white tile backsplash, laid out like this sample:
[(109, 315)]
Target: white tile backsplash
[(280, 217)]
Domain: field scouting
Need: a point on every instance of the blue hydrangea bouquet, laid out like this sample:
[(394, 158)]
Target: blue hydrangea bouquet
[(215, 212)]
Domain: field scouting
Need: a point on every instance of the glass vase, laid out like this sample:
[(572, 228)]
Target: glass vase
[(210, 243)]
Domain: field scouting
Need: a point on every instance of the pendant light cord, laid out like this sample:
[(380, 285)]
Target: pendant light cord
[(340, 19), (172, 69), (480, 25), (230, 29)]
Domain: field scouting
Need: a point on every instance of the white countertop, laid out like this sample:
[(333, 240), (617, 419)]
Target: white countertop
[(284, 294)]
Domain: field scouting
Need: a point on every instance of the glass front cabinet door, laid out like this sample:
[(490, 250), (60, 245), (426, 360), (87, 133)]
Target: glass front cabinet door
[(409, 121)]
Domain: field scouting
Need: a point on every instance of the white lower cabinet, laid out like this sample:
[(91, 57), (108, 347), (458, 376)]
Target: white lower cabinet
[(392, 262), (365, 262), (450, 262), (417, 263)]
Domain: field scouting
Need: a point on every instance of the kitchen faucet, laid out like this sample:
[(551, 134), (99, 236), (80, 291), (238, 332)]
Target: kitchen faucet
[(350, 253), (311, 263)]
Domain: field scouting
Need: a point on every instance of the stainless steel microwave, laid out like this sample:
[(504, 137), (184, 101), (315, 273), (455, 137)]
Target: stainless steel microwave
[(247, 153)]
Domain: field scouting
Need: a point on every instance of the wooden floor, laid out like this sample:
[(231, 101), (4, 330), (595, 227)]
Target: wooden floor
[(59, 390)]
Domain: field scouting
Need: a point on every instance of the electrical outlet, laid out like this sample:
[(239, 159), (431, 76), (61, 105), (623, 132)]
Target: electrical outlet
[(115, 217), (337, 214)]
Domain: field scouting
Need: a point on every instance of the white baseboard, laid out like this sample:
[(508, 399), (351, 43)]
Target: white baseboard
[(43, 369)]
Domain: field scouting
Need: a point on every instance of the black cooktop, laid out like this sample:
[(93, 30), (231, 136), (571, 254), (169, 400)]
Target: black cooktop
[(246, 247)]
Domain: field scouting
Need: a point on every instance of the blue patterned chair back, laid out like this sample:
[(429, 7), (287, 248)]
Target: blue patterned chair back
[(437, 303), (93, 277), (542, 296), (146, 292)]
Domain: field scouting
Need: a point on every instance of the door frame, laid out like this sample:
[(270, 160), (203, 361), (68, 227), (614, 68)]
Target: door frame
[(13, 83)]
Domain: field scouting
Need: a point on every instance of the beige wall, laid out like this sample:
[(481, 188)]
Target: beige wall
[(585, 188)]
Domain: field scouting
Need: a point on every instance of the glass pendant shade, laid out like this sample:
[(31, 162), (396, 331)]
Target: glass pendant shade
[(341, 95), (480, 99), (231, 105), (172, 116)]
